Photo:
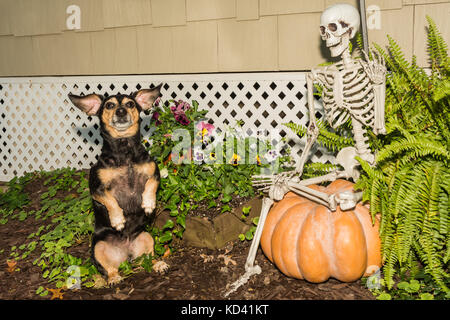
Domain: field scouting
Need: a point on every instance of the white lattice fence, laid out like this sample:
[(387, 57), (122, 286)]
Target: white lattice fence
[(41, 130)]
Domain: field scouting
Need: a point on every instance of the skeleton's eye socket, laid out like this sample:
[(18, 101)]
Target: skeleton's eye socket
[(322, 30), (343, 24), (332, 27)]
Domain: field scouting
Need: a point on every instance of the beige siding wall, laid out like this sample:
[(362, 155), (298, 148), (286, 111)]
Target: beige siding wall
[(190, 36)]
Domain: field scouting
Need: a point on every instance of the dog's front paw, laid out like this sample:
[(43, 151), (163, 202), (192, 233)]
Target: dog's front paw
[(148, 204), (118, 221)]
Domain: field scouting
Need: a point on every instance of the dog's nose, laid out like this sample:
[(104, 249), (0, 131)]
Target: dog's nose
[(121, 112)]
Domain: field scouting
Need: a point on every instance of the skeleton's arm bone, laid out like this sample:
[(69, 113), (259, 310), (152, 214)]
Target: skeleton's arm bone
[(314, 195), (313, 130), (379, 96)]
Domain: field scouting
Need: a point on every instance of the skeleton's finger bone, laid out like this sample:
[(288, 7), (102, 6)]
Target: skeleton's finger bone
[(262, 182), (262, 176), (366, 57), (262, 186)]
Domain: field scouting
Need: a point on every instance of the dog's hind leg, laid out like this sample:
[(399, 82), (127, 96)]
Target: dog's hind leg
[(110, 257), (143, 244)]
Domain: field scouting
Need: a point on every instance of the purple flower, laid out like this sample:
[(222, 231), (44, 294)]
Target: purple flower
[(155, 117), (183, 106), (198, 155), (179, 110), (182, 118), (180, 107)]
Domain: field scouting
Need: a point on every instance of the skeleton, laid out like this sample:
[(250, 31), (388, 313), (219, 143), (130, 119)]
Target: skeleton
[(352, 89)]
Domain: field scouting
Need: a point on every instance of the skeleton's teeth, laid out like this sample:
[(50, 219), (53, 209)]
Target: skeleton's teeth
[(333, 43)]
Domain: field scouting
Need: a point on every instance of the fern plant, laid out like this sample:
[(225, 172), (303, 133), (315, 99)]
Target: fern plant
[(410, 185)]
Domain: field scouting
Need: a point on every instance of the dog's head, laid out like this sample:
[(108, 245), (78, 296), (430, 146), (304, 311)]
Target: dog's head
[(119, 114)]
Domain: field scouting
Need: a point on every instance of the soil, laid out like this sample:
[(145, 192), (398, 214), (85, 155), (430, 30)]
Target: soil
[(193, 273)]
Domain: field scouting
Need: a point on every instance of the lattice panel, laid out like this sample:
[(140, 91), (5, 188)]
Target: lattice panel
[(41, 130)]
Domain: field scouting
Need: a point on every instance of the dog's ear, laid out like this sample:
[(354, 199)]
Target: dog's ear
[(146, 97), (89, 104)]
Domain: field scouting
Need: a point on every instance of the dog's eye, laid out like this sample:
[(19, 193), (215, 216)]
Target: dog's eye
[(109, 105), (129, 104)]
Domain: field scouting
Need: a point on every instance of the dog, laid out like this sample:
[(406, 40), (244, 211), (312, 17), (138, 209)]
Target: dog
[(124, 181)]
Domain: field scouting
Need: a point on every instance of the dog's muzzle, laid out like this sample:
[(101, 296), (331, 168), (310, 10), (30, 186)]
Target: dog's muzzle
[(121, 119)]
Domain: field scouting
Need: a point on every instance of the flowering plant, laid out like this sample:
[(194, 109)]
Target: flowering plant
[(198, 163)]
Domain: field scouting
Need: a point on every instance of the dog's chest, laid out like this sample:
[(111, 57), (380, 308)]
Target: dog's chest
[(124, 181)]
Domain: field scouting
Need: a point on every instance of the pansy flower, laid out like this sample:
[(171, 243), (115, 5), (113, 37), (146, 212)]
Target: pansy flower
[(271, 155), (235, 159), (258, 160), (182, 118), (179, 110), (155, 116), (198, 155), (205, 128)]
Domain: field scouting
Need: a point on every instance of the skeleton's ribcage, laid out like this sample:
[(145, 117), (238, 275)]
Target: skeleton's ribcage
[(347, 93)]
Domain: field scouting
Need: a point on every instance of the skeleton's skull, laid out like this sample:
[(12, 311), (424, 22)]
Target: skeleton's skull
[(338, 24)]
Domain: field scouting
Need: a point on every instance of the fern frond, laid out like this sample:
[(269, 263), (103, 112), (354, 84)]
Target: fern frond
[(317, 169), (298, 129), (417, 146), (437, 48), (326, 138)]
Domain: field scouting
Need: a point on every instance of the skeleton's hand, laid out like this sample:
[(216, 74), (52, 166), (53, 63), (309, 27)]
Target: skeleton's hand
[(279, 188), (375, 69)]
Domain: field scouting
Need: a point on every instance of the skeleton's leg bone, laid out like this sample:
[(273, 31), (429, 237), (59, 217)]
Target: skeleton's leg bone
[(266, 205), (250, 267), (346, 158)]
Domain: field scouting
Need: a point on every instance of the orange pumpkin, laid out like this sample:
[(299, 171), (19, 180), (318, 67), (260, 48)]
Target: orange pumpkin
[(306, 240)]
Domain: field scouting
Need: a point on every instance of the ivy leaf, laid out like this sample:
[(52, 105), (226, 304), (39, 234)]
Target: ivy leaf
[(169, 225), (212, 204), (384, 296), (166, 237), (249, 235), (426, 296), (226, 208), (181, 220), (246, 210), (226, 198)]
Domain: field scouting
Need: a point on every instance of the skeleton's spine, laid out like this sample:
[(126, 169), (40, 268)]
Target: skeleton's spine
[(362, 146)]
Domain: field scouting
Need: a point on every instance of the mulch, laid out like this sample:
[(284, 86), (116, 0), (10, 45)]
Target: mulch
[(193, 274)]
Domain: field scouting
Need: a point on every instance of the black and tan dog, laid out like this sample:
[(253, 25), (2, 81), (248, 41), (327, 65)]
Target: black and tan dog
[(124, 181)]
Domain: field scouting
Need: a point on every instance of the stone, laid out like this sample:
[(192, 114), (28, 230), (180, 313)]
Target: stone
[(227, 228), (199, 233)]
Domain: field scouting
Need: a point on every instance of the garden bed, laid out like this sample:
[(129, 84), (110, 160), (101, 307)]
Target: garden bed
[(194, 273)]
